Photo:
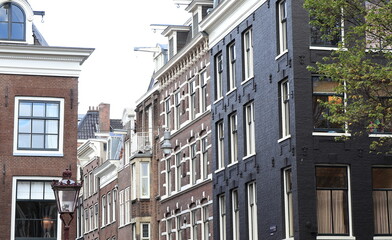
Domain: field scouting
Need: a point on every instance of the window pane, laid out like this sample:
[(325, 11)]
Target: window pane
[(145, 230), (38, 126), (38, 109), (3, 14), (37, 141), (3, 29), (324, 85), (144, 169), (25, 109), (49, 194), (331, 177), (17, 31), (51, 142), (24, 126), (23, 191), (37, 190), (380, 207), (24, 141), (52, 110), (52, 126), (17, 14), (382, 178)]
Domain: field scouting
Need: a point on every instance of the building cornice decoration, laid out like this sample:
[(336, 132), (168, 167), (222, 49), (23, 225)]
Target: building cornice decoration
[(42, 60), (184, 61)]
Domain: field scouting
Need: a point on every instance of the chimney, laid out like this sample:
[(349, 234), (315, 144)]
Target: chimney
[(104, 117)]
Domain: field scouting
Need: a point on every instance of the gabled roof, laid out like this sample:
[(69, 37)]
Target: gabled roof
[(88, 125)]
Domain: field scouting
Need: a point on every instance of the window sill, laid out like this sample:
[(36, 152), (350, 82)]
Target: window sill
[(232, 90), (382, 237), (276, 58), (291, 238), (249, 156), (219, 170), (323, 48), (335, 238), (246, 80), (232, 164), (327, 134), (217, 100), (284, 138), (380, 135), (38, 153)]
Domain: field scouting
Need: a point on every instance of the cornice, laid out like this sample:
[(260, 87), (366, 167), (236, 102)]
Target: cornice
[(42, 60)]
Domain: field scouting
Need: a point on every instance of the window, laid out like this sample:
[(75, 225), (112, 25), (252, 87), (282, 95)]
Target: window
[(220, 145), (91, 183), (12, 22), (134, 231), (114, 196), (178, 171), (203, 92), (233, 138), (222, 217), (126, 152), (282, 26), (248, 54), (38, 126), (168, 177), (324, 91), (382, 205), (96, 212), (86, 187), (92, 218), (252, 211), (86, 225), (177, 101), (179, 230), (127, 206), (232, 58), (194, 225), (133, 180), (103, 203), (204, 150), (288, 204), (195, 163), (35, 210), (122, 207), (145, 231), (332, 200), (192, 99), (145, 179), (167, 113), (109, 208), (169, 228), (249, 129), (218, 76), (206, 223), (284, 97), (317, 38), (236, 215)]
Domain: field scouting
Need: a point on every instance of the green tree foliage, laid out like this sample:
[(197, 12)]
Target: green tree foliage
[(361, 64)]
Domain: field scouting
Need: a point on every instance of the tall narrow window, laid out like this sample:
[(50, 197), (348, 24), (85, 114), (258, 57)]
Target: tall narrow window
[(177, 101), (145, 179), (145, 231), (167, 113), (233, 138), (236, 215), (96, 212), (203, 92), (12, 22), (220, 145), (127, 207), (178, 171), (168, 177), (324, 90), (194, 224), (232, 59), (204, 150), (248, 54), (382, 196), (284, 97), (109, 207), (288, 203), (122, 208), (249, 129), (103, 210), (192, 99), (252, 211), (222, 217), (195, 166), (92, 218), (282, 26), (86, 225), (133, 181), (206, 224), (332, 201), (114, 204), (179, 229), (169, 229), (218, 76)]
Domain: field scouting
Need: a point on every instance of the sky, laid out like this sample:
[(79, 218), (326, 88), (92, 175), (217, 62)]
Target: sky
[(114, 73)]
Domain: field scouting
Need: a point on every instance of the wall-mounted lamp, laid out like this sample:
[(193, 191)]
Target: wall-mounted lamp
[(166, 145)]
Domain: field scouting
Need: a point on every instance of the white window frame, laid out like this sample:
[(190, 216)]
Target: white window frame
[(218, 76), (203, 92), (282, 27), (232, 67), (248, 54), (222, 217), (235, 214), (122, 206), (204, 155), (288, 204), (192, 99), (206, 223), (86, 223), (178, 228), (57, 153), (91, 183), (127, 207), (141, 231), (96, 215), (114, 203), (178, 158), (233, 121), (92, 218), (147, 177), (167, 113), (133, 181), (250, 141), (252, 211), (194, 224), (193, 157), (220, 145), (284, 105), (103, 211), (168, 177), (109, 207), (177, 110)]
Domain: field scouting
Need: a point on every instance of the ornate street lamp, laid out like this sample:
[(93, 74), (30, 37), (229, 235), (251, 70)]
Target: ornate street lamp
[(66, 192)]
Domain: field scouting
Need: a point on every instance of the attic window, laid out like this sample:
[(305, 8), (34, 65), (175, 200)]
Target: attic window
[(12, 22)]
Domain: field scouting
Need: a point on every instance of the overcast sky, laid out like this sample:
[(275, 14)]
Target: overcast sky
[(114, 73)]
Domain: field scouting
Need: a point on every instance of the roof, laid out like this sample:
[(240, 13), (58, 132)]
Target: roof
[(115, 124), (38, 36), (88, 125)]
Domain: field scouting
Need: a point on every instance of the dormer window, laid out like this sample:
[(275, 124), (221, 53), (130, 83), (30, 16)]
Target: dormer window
[(12, 22)]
